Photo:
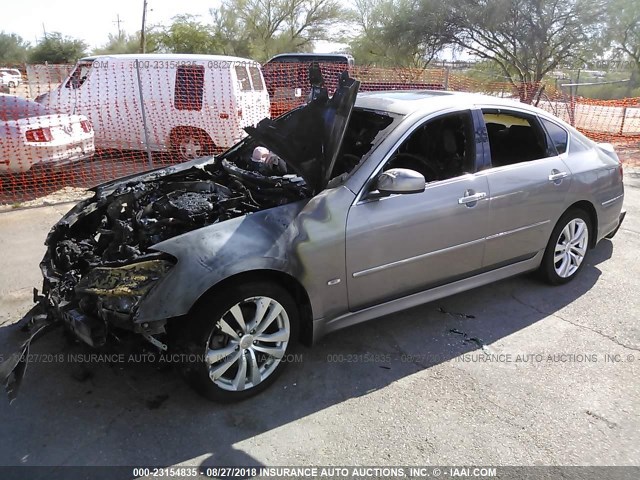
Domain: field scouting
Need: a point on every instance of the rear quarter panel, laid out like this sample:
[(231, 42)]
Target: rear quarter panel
[(596, 178)]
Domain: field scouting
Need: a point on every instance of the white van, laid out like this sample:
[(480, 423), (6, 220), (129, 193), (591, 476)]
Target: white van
[(192, 105)]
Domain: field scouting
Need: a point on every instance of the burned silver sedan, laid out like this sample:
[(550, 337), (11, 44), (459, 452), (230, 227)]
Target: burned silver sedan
[(338, 212)]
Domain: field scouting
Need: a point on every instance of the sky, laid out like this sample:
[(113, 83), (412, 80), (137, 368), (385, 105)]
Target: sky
[(93, 20)]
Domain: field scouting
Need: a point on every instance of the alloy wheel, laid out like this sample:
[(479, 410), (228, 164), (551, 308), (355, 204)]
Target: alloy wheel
[(571, 248), (247, 343)]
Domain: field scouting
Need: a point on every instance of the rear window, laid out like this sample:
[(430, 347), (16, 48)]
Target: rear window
[(189, 87), (256, 78), (310, 58), (16, 108), (243, 78)]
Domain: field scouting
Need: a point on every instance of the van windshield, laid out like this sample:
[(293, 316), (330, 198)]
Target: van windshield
[(79, 75)]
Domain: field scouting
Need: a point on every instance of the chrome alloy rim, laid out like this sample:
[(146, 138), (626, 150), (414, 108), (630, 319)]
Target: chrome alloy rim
[(571, 248), (247, 344)]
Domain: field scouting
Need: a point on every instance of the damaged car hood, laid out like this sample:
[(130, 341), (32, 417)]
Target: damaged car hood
[(309, 138), (126, 217)]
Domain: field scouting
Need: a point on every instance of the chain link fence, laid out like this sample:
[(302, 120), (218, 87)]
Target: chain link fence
[(114, 116)]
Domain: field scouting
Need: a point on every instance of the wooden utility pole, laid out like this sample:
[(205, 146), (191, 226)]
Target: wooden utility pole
[(142, 32), (118, 22)]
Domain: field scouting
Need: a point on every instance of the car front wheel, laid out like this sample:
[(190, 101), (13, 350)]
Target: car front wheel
[(238, 341), (567, 249)]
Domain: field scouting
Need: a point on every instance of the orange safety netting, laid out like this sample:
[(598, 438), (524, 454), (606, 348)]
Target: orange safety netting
[(107, 118)]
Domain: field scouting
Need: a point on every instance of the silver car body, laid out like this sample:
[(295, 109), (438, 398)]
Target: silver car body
[(350, 257)]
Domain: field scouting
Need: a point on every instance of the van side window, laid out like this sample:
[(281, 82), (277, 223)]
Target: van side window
[(189, 87), (79, 75), (558, 135), (243, 78), (514, 137), (256, 78)]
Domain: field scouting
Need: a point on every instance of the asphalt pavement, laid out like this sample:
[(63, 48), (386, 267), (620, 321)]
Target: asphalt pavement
[(513, 373)]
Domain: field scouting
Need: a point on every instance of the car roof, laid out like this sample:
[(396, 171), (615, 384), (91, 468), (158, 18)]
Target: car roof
[(405, 102)]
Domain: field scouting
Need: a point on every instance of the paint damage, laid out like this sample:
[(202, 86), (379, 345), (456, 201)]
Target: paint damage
[(100, 263)]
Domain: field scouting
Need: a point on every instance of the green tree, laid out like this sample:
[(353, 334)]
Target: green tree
[(623, 33), (527, 38), (269, 27), (56, 48), (13, 49), (230, 34), (127, 44), (186, 34), (400, 32)]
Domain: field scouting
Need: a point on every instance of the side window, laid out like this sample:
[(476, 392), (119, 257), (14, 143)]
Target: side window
[(78, 76), (558, 135), (189, 87), (256, 78), (514, 138), (439, 149), (243, 78)]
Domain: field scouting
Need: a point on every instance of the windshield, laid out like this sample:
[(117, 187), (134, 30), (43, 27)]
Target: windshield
[(365, 130)]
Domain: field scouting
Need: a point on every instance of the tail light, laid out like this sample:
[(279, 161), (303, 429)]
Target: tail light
[(39, 135), (86, 126)]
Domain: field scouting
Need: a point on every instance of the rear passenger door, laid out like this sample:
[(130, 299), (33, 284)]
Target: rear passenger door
[(528, 185)]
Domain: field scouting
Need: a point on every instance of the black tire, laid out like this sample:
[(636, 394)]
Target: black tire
[(549, 269), (204, 332), (189, 143)]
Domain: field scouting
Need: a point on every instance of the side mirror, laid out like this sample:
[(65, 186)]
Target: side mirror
[(400, 180)]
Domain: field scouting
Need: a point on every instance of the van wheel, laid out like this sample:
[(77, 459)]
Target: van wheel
[(190, 143), (238, 340)]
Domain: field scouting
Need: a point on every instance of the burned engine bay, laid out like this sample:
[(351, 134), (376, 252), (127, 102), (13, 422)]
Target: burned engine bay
[(98, 258)]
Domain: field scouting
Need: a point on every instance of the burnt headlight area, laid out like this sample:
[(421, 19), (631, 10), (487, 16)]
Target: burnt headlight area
[(112, 294)]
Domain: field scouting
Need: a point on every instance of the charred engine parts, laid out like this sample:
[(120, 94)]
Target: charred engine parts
[(99, 261)]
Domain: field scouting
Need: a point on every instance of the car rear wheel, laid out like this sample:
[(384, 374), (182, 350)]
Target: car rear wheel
[(189, 143), (567, 249), (240, 337)]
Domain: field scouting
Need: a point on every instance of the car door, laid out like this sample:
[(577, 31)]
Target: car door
[(528, 185), (401, 244)]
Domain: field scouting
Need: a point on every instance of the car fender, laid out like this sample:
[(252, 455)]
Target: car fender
[(292, 239)]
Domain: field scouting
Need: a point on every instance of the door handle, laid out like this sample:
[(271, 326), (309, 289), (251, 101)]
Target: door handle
[(556, 175), (472, 198)]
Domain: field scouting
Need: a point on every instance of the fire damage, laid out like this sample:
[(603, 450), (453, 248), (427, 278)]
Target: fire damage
[(100, 264), (99, 257)]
